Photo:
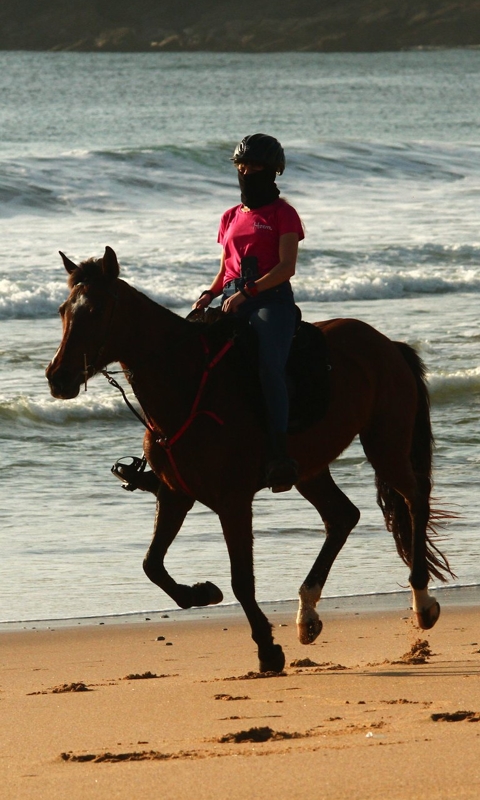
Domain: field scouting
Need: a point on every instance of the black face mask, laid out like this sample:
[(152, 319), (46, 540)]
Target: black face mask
[(258, 188)]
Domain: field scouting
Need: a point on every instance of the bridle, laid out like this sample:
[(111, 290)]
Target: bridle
[(89, 370)]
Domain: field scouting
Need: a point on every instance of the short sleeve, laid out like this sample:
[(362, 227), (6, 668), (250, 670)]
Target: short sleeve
[(289, 221), (225, 221)]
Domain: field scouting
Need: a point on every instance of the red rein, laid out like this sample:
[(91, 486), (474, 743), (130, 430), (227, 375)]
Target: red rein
[(166, 443)]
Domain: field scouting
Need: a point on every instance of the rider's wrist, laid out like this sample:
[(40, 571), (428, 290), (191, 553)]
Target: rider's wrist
[(210, 294)]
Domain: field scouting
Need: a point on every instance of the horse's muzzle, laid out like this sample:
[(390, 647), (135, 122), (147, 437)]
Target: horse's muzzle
[(63, 385)]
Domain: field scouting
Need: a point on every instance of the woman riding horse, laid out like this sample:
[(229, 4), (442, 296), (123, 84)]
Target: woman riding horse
[(260, 240)]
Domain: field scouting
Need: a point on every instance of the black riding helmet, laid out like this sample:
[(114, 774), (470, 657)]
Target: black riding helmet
[(261, 148)]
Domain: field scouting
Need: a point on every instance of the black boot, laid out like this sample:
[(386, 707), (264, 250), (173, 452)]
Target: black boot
[(282, 471)]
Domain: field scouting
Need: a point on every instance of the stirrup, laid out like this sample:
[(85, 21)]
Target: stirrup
[(282, 474), (128, 473)]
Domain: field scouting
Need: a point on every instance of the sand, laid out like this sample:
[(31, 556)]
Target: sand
[(173, 707)]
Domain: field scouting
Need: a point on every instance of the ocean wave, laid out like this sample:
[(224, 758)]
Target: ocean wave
[(325, 277), (100, 181), (454, 386), (328, 284), (350, 160), (24, 299), (108, 405), (85, 408), (107, 181), (429, 254), (37, 304)]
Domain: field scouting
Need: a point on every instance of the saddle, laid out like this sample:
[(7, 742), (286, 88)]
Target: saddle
[(308, 365)]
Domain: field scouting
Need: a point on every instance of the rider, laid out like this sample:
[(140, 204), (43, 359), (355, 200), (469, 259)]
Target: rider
[(260, 239)]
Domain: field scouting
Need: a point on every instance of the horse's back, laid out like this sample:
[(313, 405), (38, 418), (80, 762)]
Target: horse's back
[(371, 381), (355, 341), (349, 329)]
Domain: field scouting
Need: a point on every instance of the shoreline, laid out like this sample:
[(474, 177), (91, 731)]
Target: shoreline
[(400, 600)]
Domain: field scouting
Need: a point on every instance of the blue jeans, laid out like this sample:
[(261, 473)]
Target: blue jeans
[(272, 316)]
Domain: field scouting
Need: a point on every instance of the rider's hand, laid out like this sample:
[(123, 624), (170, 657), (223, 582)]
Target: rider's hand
[(232, 303), (202, 301)]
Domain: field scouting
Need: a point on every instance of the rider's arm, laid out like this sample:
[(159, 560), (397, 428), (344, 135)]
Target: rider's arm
[(285, 269), (281, 272), (215, 287)]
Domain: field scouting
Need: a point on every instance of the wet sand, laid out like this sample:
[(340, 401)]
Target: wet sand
[(173, 707)]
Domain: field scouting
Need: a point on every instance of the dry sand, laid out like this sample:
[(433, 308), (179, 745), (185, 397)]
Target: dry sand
[(361, 724)]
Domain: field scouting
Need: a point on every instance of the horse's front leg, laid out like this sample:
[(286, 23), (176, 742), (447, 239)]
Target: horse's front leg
[(340, 517), (172, 508), (236, 520)]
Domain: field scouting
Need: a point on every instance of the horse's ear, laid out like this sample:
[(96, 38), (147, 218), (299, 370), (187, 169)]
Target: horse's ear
[(69, 265), (111, 268)]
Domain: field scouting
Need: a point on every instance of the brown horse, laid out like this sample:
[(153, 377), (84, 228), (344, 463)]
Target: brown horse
[(204, 440)]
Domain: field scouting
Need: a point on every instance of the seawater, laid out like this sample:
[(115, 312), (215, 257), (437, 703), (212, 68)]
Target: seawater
[(132, 150)]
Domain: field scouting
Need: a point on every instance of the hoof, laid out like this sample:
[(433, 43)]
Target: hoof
[(206, 594), (426, 619), (308, 631), (275, 662)]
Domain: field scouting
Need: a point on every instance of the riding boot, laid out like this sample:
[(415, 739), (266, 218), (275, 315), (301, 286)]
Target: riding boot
[(282, 471)]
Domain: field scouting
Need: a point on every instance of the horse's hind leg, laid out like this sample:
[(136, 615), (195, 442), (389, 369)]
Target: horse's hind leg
[(404, 498), (172, 508), (236, 519), (425, 606), (340, 517)]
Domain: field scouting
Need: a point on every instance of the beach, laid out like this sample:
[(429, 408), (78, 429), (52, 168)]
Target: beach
[(173, 706)]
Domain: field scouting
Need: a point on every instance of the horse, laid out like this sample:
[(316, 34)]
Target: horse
[(204, 439)]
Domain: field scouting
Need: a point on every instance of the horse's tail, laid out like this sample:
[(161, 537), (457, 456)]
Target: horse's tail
[(393, 505)]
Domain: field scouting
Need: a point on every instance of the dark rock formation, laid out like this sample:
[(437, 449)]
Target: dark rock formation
[(247, 26)]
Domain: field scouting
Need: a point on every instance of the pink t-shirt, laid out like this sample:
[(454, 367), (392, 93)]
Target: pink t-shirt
[(256, 233)]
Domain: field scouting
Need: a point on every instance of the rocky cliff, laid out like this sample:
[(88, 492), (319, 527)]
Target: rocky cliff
[(246, 26)]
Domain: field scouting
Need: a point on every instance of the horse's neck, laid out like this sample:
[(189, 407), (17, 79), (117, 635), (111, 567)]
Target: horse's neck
[(163, 353), (152, 331)]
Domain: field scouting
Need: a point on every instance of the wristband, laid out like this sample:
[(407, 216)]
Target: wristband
[(251, 288), (207, 291)]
